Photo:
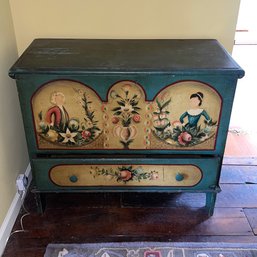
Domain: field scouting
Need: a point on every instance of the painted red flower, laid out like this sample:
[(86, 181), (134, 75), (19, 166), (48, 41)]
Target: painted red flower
[(137, 118), (86, 134), (184, 138), (115, 120), (125, 175), (154, 176)]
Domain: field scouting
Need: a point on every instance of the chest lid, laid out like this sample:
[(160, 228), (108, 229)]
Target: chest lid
[(84, 56)]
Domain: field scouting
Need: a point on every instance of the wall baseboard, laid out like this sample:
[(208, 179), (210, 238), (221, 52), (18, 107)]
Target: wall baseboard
[(10, 218)]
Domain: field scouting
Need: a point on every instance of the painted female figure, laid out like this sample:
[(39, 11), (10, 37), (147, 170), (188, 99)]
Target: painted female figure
[(195, 113), (57, 115)]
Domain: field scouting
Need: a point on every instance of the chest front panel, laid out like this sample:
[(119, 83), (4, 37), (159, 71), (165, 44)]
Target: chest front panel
[(184, 115)]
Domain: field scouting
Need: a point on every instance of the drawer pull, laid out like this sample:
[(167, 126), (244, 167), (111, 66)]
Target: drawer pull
[(179, 177), (73, 179)]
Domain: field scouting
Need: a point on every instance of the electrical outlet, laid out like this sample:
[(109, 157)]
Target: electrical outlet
[(21, 182)]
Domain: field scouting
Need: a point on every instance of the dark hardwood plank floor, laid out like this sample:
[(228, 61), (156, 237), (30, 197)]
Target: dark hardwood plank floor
[(120, 217), (251, 215)]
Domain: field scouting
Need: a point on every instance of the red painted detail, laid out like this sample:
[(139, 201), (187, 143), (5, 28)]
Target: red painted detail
[(152, 254)]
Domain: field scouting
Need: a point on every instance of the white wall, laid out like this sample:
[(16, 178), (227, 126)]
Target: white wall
[(125, 19), (247, 23), (13, 151)]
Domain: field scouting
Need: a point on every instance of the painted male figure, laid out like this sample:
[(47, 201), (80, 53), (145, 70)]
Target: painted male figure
[(57, 115)]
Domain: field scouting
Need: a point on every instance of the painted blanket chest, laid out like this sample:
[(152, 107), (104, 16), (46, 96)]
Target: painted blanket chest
[(126, 115)]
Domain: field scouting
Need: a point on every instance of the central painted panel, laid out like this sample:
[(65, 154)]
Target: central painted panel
[(70, 115)]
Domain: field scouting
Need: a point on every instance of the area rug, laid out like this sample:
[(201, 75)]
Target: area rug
[(152, 249)]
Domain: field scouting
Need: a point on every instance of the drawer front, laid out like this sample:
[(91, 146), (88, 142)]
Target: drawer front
[(181, 116), (129, 175), (142, 174)]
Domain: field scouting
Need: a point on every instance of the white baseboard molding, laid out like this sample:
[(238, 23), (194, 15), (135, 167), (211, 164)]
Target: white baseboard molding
[(10, 218)]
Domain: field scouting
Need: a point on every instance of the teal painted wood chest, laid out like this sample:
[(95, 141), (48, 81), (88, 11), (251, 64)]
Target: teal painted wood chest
[(126, 115)]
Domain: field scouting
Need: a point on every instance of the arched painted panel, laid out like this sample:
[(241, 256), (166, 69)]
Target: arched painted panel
[(66, 114), (182, 116)]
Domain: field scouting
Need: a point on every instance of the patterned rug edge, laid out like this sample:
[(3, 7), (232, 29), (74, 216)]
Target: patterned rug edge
[(182, 249), (161, 244)]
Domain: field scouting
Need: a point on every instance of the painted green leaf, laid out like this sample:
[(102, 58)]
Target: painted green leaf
[(122, 103), (40, 116), (117, 113), (134, 103), (96, 128), (159, 129), (116, 109), (166, 103), (158, 104)]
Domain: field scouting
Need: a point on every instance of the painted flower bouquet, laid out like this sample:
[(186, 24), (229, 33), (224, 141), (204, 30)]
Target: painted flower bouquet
[(187, 136), (74, 132), (124, 115), (125, 173), (176, 133), (161, 120)]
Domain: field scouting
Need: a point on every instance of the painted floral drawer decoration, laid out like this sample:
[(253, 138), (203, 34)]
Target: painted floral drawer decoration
[(125, 175), (69, 114)]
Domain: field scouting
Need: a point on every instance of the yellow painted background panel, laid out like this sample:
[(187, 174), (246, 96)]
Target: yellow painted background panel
[(125, 175)]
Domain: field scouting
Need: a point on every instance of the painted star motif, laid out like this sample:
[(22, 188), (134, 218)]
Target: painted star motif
[(68, 136)]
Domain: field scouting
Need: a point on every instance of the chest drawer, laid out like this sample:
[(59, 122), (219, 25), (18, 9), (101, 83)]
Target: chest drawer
[(139, 174)]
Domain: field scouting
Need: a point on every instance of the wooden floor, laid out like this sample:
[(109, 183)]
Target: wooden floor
[(241, 144), (77, 218)]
